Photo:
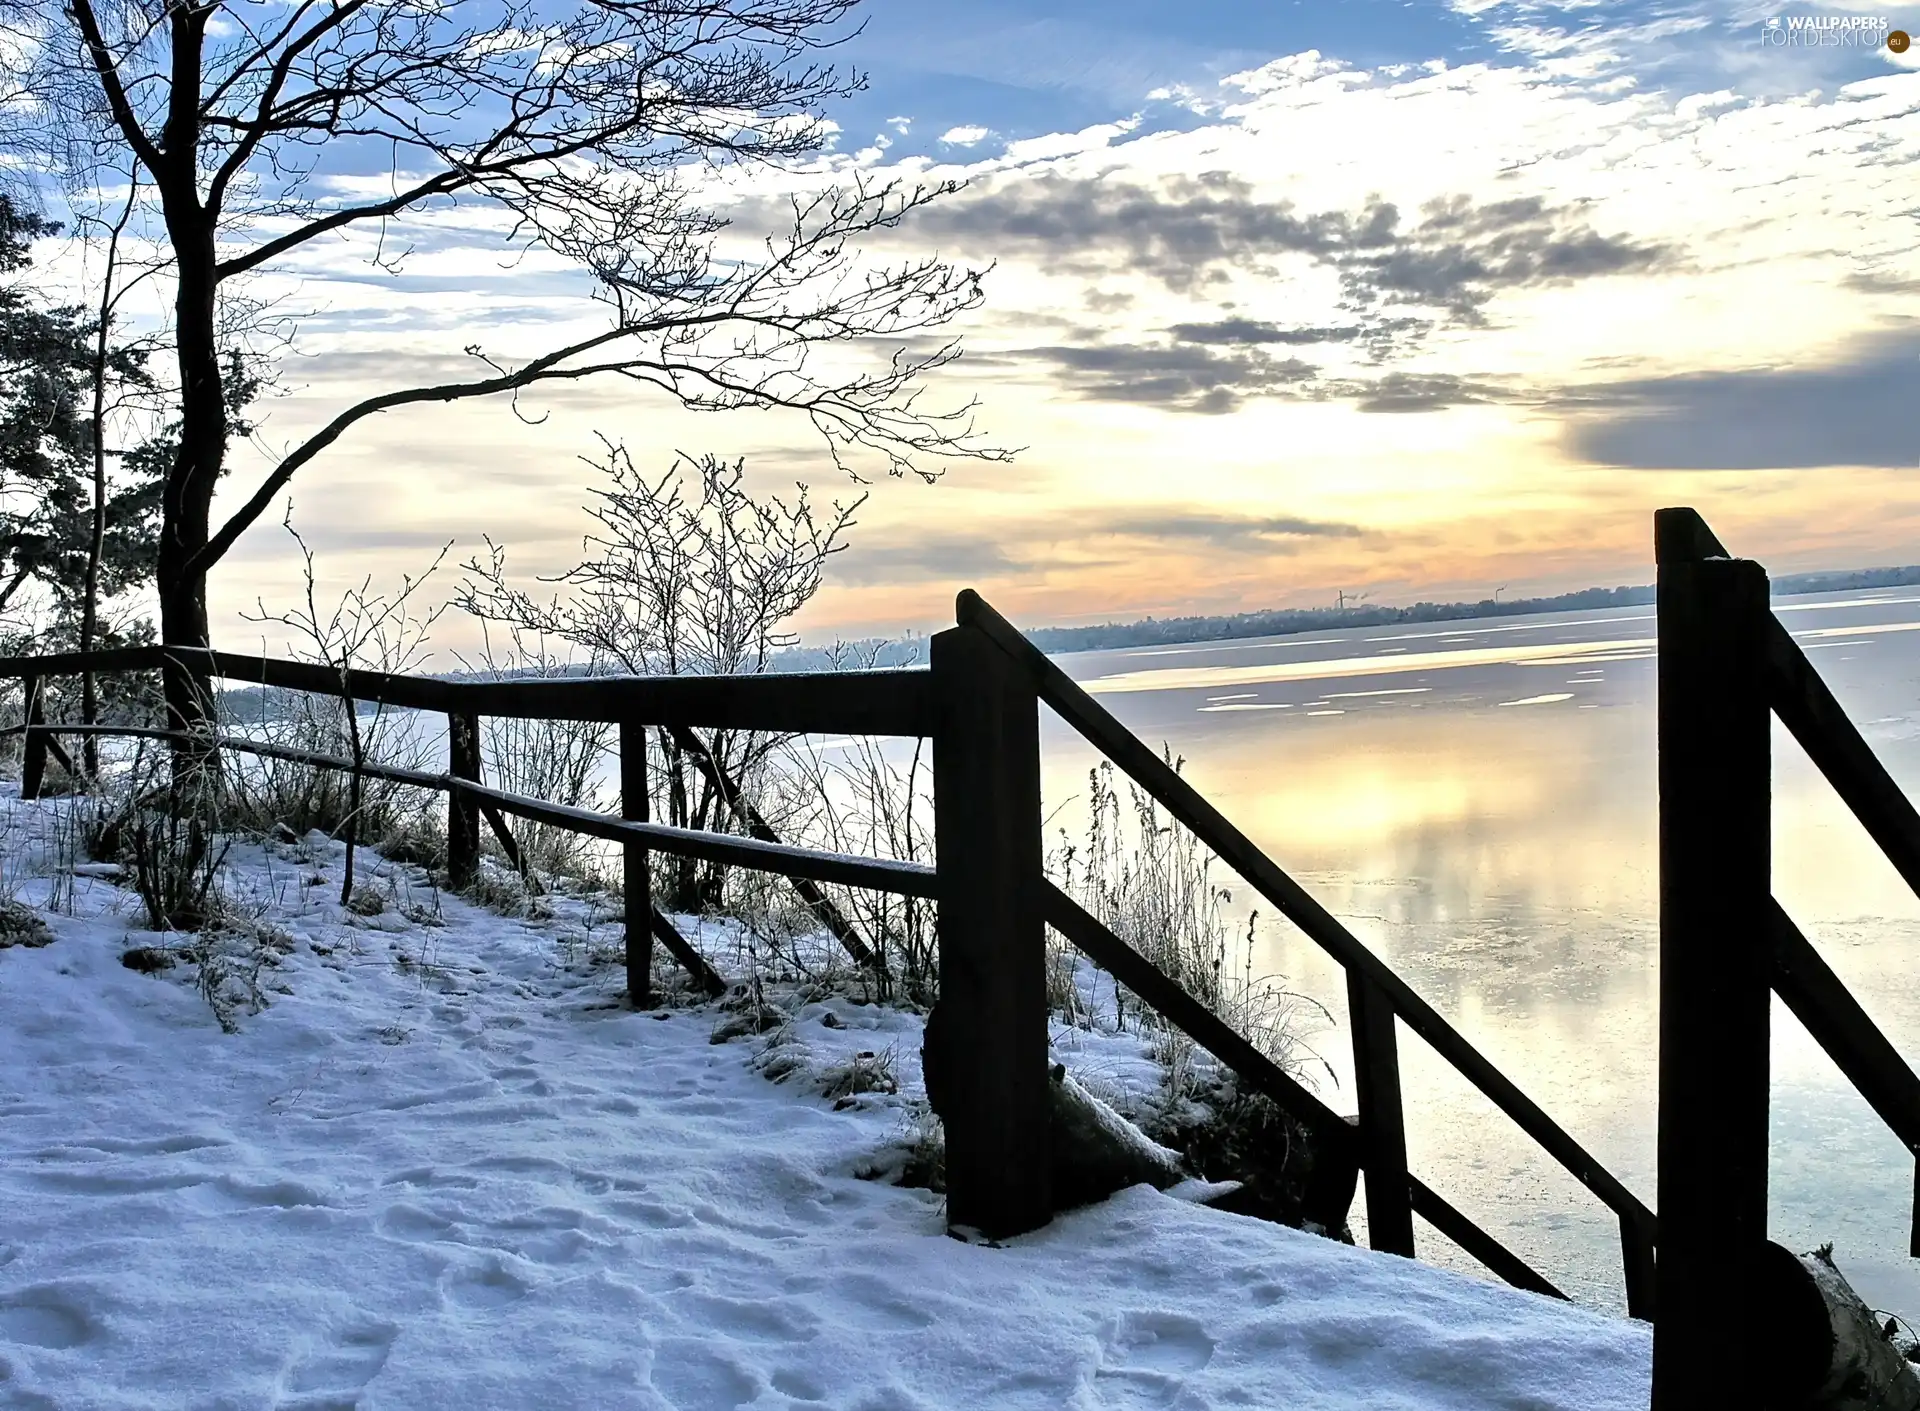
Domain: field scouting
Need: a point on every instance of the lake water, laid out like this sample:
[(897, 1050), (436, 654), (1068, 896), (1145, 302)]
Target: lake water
[(1477, 801)]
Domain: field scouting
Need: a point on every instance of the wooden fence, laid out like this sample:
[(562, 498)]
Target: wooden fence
[(1725, 944), (980, 704), (1726, 947)]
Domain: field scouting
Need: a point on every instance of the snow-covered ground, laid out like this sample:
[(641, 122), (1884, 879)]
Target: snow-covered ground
[(446, 1167)]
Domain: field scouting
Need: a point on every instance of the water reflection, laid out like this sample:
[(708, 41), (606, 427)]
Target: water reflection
[(1477, 801)]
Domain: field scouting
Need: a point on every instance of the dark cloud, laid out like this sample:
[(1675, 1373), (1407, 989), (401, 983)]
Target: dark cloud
[(1872, 282), (1182, 376), (1855, 412), (1191, 231), (1246, 330), (1212, 380), (1421, 392)]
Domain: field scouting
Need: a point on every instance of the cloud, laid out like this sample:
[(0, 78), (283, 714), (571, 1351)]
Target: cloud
[(1026, 546), (1214, 378), (1423, 392), (965, 136), (928, 556), (1246, 330), (1189, 232), (1226, 533), (1855, 412), (1182, 376)]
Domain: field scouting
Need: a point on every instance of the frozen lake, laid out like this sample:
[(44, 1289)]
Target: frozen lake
[(1477, 801)]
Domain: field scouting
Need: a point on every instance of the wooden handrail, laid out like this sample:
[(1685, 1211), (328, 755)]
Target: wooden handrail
[(1341, 1138), (1832, 741), (1830, 1013), (1428, 1205), (884, 702), (912, 879), (1211, 827)]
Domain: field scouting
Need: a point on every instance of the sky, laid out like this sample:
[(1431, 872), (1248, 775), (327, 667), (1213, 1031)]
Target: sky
[(1287, 300)]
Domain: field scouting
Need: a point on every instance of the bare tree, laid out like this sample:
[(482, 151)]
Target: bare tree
[(686, 573), (586, 120)]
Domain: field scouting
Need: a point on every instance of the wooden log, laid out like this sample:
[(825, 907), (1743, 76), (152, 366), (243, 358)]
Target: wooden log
[(636, 880), (1336, 1150), (815, 900), (1096, 1151), (1824, 1348), (33, 759), (1383, 1125), (992, 1035), (1715, 982), (463, 809)]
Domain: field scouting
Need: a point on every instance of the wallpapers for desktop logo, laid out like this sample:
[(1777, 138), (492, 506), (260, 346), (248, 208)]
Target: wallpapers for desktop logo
[(1833, 32)]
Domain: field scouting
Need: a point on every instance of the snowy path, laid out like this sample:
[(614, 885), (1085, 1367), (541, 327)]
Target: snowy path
[(480, 1183)]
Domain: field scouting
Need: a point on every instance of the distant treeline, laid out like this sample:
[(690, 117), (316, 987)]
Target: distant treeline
[(1281, 622), (255, 703)]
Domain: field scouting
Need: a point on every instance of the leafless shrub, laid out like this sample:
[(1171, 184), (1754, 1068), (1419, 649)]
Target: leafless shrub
[(688, 572), (364, 631), (172, 842)]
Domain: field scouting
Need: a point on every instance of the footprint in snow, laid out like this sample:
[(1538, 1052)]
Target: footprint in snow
[(334, 1374), (489, 1285), (1148, 1357), (44, 1317), (402, 1221)]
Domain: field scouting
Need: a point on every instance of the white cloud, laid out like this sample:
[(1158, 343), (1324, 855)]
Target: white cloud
[(965, 136)]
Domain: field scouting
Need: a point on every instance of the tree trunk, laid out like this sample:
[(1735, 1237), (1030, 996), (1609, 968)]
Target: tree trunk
[(198, 460)]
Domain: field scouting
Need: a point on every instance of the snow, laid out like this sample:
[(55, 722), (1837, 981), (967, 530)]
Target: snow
[(445, 1167)]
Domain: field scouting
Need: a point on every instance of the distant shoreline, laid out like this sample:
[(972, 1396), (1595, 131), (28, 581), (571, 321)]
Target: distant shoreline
[(1284, 622), (263, 702)]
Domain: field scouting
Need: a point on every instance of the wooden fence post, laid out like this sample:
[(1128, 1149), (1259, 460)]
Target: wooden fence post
[(1715, 981), (1383, 1125), (33, 755), (992, 1024), (463, 810), (636, 883)]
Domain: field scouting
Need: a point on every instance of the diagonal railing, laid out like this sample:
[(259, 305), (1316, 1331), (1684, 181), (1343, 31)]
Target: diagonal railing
[(1377, 996)]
